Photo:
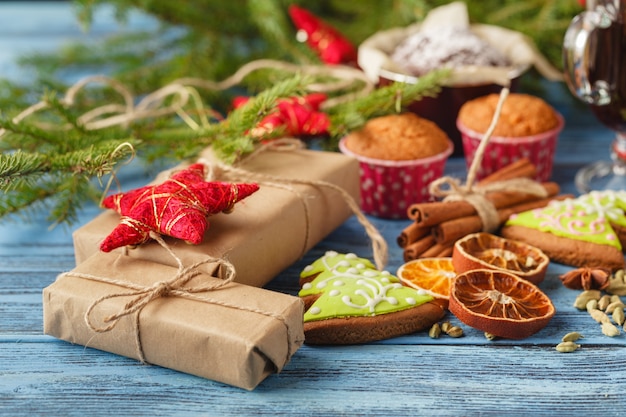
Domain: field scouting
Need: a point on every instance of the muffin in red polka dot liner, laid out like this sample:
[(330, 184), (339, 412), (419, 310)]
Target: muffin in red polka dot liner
[(528, 128), (399, 156)]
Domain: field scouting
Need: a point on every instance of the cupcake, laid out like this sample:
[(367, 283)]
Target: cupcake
[(528, 127), (399, 155)]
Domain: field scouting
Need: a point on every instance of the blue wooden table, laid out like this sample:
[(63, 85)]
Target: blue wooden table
[(411, 375)]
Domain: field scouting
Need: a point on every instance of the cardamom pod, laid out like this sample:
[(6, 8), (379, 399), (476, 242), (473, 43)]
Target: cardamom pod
[(616, 298), (490, 336), (618, 316), (609, 329), (619, 289), (611, 307), (445, 326), (599, 316), (604, 301), (582, 299), (572, 337), (592, 305), (435, 331), (567, 347), (617, 285), (455, 331)]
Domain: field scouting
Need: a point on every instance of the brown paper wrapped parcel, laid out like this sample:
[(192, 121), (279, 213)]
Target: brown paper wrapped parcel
[(235, 334), (266, 232)]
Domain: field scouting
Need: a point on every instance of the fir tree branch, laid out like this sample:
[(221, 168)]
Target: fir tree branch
[(59, 181), (19, 170), (385, 100), (230, 138)]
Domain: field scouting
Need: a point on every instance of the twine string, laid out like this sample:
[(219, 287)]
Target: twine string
[(183, 90), (450, 189), (141, 296)]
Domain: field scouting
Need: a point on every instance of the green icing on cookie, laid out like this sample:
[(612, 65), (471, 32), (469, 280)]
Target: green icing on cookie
[(587, 218), (332, 260), (352, 286)]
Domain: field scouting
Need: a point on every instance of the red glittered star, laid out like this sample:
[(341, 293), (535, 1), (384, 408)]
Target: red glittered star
[(178, 207)]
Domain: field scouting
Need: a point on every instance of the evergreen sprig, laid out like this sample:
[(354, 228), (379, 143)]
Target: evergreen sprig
[(231, 137), (49, 160), (389, 99)]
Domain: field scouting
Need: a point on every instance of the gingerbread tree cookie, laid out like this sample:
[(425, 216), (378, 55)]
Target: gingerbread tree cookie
[(587, 231), (350, 301)]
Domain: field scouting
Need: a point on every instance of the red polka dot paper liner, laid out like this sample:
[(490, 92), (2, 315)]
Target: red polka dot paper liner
[(388, 188), (502, 151)]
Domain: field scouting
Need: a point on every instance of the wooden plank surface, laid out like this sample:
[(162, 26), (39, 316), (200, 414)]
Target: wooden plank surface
[(410, 375)]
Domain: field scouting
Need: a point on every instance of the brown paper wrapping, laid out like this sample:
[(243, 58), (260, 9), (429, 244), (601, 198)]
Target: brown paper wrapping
[(233, 345), (267, 231)]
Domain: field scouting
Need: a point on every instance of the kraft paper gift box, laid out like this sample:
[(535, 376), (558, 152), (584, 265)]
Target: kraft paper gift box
[(235, 334), (269, 230)]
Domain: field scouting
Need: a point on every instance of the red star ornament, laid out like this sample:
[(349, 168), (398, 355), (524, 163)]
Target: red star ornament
[(178, 207), (300, 116), (331, 46)]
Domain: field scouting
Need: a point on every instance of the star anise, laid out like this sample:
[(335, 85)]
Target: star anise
[(586, 278)]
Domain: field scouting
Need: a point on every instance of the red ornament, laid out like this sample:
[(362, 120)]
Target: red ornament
[(299, 116), (331, 46), (178, 207)]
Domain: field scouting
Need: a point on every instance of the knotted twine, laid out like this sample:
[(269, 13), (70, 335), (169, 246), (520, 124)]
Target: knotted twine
[(450, 188), (141, 296)]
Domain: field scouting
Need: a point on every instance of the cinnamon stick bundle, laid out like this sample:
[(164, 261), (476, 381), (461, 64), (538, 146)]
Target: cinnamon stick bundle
[(437, 225), (448, 232), (430, 214)]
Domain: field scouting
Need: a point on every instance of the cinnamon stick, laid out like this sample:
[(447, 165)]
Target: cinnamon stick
[(433, 213), (435, 250), (446, 252), (415, 249), (412, 233), (522, 168), (449, 231)]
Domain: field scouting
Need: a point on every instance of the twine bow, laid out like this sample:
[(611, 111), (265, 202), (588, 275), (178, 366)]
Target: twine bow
[(450, 189), (141, 296)]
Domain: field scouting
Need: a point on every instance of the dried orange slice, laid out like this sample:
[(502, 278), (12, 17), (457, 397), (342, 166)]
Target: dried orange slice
[(431, 275), (499, 303), (484, 250)]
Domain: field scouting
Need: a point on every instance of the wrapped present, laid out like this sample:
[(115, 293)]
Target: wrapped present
[(297, 205), (179, 318)]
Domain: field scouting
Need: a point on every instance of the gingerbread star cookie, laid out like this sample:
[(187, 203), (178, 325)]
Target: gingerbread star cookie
[(349, 301)]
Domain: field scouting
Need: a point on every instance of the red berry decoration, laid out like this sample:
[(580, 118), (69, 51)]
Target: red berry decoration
[(299, 116), (178, 207), (331, 46)]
